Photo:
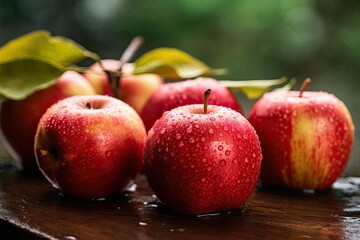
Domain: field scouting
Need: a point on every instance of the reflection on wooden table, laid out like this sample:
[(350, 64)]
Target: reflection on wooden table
[(31, 208)]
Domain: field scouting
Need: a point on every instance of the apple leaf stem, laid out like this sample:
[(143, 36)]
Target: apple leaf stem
[(206, 100), (114, 83), (304, 85)]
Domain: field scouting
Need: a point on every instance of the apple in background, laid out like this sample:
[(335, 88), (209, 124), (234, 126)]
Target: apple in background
[(172, 95), (90, 146), (134, 89), (19, 119), (306, 138), (200, 161)]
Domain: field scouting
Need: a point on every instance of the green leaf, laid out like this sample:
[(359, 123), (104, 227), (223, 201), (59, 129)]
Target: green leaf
[(172, 63), (252, 88), (40, 44), (287, 87), (20, 78)]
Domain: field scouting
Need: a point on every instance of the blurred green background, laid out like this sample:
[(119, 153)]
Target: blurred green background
[(252, 39)]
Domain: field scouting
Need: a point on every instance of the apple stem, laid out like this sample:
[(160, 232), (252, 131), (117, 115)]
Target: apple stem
[(304, 85), (114, 78), (206, 100), (129, 52)]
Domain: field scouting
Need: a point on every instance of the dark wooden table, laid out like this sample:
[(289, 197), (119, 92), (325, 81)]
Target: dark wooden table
[(31, 209)]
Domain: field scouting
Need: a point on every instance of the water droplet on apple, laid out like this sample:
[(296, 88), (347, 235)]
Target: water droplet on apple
[(189, 129), (191, 140), (211, 131), (177, 136), (203, 139), (162, 131), (234, 160), (62, 164), (203, 179), (192, 165), (204, 159), (108, 153), (238, 136), (197, 125), (220, 147), (246, 160), (184, 96), (227, 153), (208, 168), (212, 118), (181, 144), (222, 162), (253, 165), (226, 128)]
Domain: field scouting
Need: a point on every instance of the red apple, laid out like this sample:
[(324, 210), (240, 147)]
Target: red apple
[(19, 119), (172, 95), (134, 89), (90, 146), (198, 162), (306, 138)]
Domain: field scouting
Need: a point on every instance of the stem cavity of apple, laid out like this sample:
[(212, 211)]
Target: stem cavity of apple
[(304, 85), (206, 100), (88, 105)]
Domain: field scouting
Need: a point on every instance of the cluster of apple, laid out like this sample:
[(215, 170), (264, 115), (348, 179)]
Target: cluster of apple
[(199, 152), (199, 158)]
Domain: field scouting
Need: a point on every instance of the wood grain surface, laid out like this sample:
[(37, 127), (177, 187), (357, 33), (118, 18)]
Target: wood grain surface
[(31, 209)]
